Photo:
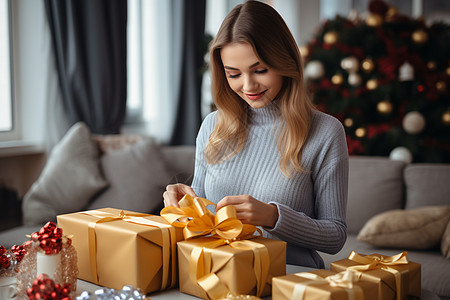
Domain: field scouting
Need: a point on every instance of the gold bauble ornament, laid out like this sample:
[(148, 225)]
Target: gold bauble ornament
[(330, 37), (337, 79), (441, 86), (384, 107), (374, 20), (420, 36), (360, 132), (368, 65), (304, 51), (431, 65), (446, 118), (372, 84), (392, 11), (348, 122)]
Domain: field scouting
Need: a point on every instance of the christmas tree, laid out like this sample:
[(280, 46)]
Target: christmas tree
[(387, 79)]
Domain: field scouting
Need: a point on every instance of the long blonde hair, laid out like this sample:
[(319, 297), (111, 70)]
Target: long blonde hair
[(262, 27)]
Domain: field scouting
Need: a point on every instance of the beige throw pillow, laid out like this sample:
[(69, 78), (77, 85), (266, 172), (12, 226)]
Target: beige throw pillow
[(445, 242), (420, 228)]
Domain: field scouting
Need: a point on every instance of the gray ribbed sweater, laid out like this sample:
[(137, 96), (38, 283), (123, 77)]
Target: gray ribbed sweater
[(311, 206)]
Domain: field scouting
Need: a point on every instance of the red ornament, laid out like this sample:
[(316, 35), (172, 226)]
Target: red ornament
[(49, 238), (378, 7), (45, 288), (19, 252)]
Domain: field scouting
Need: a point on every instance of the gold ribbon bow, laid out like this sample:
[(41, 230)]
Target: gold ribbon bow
[(371, 262), (168, 241), (197, 220), (224, 228), (343, 279)]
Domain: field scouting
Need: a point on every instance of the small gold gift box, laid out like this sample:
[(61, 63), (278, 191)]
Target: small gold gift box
[(241, 267), (323, 285), (397, 277), (117, 248)]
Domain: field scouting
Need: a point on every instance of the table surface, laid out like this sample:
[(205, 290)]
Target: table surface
[(175, 294)]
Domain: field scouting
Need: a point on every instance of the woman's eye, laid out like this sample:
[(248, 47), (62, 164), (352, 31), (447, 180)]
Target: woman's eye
[(233, 75), (261, 71)]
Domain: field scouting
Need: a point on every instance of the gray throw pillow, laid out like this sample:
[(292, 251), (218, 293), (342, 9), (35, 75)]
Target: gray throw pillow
[(137, 176), (70, 178)]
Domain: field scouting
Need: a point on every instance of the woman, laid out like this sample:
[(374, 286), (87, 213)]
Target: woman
[(266, 150)]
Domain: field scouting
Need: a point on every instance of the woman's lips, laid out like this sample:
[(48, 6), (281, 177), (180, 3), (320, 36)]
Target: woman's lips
[(255, 97)]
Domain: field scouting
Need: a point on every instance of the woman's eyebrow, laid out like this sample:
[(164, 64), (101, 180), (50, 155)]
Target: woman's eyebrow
[(236, 69)]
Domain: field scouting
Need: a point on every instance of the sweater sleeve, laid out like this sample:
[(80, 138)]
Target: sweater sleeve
[(326, 231), (198, 183)]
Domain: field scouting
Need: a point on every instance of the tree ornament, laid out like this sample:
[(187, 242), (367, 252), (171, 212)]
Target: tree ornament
[(314, 69), (350, 64), (368, 65), (354, 79), (372, 84), (447, 71), (420, 36), (406, 72), (441, 87), (431, 65), (413, 122), (374, 20), (446, 118), (360, 132), (330, 37), (348, 122), (337, 79), (401, 154), (384, 107), (392, 11)]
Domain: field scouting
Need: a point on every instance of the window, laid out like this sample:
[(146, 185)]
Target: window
[(6, 113)]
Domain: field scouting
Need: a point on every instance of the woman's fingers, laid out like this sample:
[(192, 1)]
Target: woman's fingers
[(174, 193)]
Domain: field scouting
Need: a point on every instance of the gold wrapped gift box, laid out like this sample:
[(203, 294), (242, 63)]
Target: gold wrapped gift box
[(322, 285), (397, 278), (243, 267), (117, 248)]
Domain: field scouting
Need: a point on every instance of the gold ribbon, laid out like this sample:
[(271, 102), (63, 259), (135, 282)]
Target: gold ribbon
[(168, 240), (344, 280), (198, 221), (371, 262)]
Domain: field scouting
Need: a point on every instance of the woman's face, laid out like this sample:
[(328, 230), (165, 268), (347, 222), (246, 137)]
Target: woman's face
[(253, 81)]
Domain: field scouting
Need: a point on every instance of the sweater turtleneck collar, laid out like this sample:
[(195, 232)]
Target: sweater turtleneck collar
[(267, 114)]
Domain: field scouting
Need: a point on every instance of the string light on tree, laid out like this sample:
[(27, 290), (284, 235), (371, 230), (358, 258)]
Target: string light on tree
[(348, 122), (354, 79), (441, 86), (419, 36), (384, 107), (360, 132), (337, 79), (372, 84), (330, 38), (368, 65), (374, 20), (446, 118)]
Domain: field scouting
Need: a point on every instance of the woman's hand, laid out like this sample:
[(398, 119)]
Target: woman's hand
[(251, 211), (174, 193)]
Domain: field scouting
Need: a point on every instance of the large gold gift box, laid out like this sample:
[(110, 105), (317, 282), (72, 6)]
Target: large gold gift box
[(243, 267), (397, 278), (117, 248), (314, 286)]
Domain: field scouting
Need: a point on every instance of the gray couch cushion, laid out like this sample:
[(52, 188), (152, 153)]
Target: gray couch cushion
[(137, 175), (427, 184), (180, 161), (375, 186)]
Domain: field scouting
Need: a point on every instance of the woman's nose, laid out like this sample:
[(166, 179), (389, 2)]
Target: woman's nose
[(249, 84)]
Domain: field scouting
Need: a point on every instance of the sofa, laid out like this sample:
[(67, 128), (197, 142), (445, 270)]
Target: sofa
[(392, 206)]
